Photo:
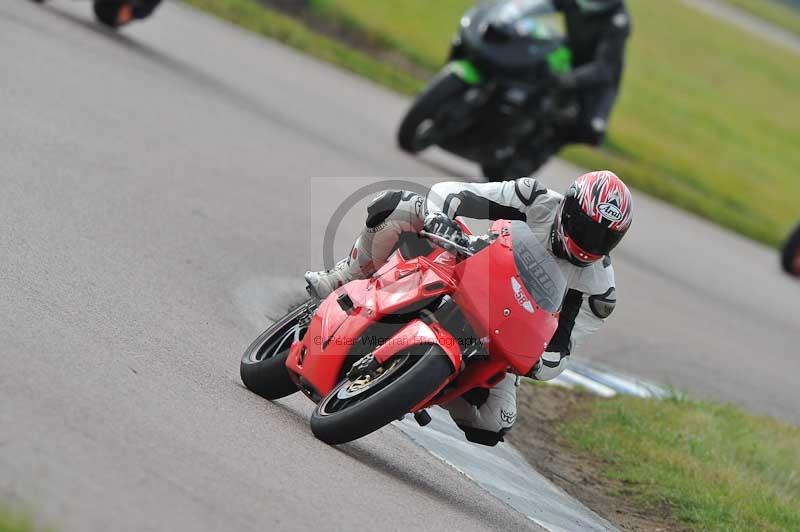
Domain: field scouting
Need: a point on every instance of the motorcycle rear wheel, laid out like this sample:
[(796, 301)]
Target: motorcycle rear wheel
[(790, 254), (107, 13), (263, 366), (418, 130), (348, 412)]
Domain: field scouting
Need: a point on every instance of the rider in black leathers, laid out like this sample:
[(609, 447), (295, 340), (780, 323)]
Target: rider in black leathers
[(597, 31)]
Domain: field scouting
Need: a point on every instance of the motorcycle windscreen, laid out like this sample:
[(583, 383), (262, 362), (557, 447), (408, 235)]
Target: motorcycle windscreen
[(529, 18), (537, 268)]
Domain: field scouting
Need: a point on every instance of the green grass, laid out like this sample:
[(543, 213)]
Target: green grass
[(14, 522), (251, 15), (715, 466), (772, 11), (420, 29), (706, 117)]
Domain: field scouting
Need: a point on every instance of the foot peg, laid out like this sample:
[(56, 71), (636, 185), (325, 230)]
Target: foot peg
[(422, 417)]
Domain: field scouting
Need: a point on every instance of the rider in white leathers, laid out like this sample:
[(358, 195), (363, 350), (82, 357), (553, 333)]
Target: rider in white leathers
[(485, 415)]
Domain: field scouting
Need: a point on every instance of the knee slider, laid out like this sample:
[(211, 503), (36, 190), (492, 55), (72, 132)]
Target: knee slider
[(382, 206), (483, 437)]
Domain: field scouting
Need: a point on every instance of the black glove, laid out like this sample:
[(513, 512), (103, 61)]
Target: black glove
[(440, 224)]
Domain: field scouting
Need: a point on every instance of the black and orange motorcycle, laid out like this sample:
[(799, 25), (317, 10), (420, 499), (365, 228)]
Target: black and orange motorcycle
[(116, 13), (790, 253)]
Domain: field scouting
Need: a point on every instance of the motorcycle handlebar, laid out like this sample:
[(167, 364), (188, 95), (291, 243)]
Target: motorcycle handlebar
[(447, 244)]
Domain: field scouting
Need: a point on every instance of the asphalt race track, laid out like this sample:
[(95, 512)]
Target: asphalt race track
[(161, 192)]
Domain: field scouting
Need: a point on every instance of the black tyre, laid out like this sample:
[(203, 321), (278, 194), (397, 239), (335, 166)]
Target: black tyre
[(419, 128), (263, 367), (790, 255), (354, 409), (107, 12)]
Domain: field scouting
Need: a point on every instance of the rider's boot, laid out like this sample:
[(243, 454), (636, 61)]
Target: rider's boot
[(321, 284)]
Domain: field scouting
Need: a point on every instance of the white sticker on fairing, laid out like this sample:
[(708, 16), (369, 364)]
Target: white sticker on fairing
[(609, 211), (520, 296)]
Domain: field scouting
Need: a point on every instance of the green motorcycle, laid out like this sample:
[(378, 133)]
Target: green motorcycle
[(494, 102)]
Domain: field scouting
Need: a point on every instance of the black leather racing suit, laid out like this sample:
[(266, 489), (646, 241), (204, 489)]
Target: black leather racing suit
[(597, 43)]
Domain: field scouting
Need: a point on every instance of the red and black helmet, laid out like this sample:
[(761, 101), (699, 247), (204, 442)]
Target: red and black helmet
[(595, 214)]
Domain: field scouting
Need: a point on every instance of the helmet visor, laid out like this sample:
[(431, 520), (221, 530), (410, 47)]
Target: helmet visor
[(591, 236)]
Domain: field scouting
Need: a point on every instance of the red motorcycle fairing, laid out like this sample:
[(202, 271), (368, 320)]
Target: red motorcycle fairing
[(399, 287), (499, 308), (418, 332), (488, 290)]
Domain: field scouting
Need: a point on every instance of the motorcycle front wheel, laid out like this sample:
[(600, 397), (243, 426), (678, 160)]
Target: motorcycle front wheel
[(420, 129), (355, 408), (790, 254), (263, 366)]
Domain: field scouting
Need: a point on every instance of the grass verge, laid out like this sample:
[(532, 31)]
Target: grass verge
[(703, 120), (251, 15), (15, 522), (772, 11), (673, 464), (715, 466)]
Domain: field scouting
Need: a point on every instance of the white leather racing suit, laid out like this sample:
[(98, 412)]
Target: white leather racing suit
[(486, 415)]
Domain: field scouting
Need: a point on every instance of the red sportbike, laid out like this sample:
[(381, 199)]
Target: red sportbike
[(423, 330)]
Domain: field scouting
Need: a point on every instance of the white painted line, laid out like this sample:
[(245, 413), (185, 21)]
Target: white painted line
[(630, 387), (573, 379), (618, 382), (504, 473)]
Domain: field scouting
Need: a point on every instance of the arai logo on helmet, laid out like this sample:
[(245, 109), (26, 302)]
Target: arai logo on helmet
[(609, 211), (521, 298)]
